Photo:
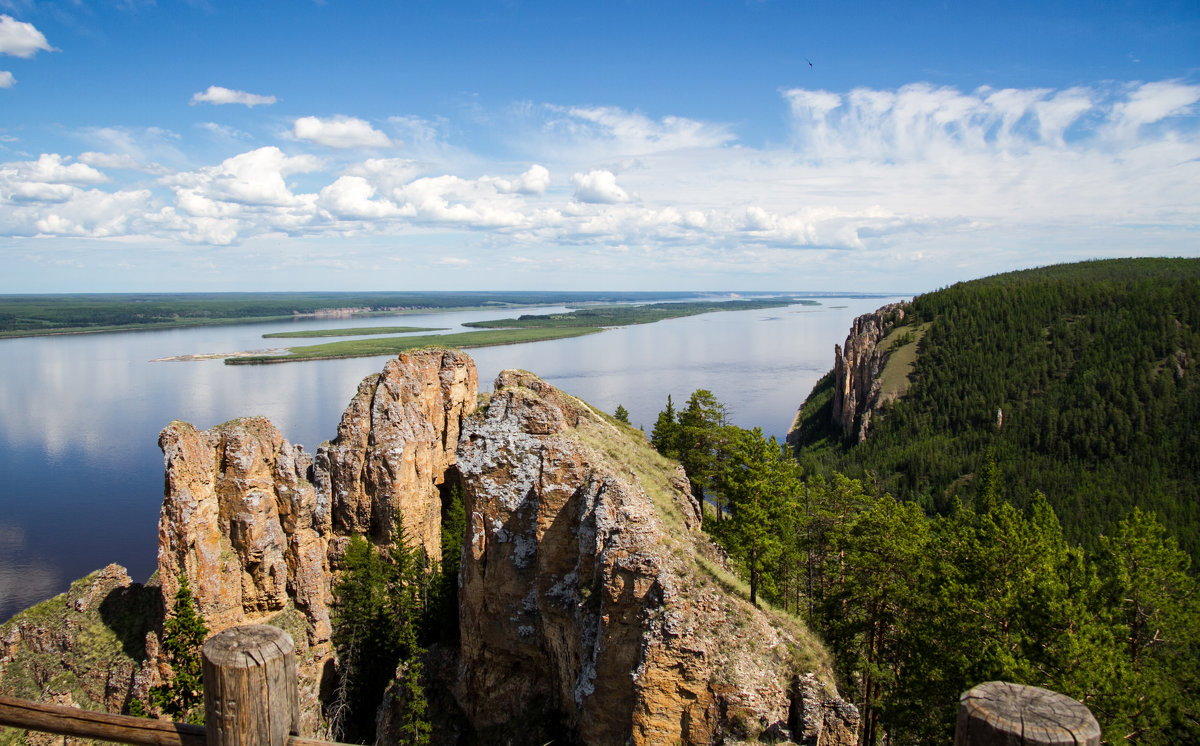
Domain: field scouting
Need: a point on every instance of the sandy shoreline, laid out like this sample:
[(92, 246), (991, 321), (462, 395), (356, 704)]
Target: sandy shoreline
[(220, 355)]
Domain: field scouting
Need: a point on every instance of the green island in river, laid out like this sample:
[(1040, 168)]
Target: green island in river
[(627, 314), (527, 328), (362, 331), (83, 313), (396, 345)]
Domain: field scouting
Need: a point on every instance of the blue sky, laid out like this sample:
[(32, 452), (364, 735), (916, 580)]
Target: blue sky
[(176, 146)]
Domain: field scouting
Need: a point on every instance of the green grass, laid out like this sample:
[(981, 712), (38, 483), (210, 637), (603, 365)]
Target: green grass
[(901, 345), (626, 447), (396, 345), (362, 331)]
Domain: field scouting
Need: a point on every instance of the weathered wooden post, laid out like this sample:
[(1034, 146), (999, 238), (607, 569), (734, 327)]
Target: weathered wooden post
[(998, 714), (250, 695)]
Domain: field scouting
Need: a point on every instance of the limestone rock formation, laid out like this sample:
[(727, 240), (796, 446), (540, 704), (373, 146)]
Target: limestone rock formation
[(394, 444), (580, 608), (258, 525), (857, 367), (591, 607)]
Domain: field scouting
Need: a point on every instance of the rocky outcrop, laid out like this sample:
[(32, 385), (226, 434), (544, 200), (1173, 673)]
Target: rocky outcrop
[(90, 647), (255, 522), (394, 445), (591, 607), (258, 525), (856, 370), (581, 613)]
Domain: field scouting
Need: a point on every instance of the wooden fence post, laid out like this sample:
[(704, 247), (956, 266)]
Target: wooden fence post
[(250, 696), (998, 713)]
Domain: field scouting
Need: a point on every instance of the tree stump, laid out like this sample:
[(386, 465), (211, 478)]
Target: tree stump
[(1002, 714), (250, 695)]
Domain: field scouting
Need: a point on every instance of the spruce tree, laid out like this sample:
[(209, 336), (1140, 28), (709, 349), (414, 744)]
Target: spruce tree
[(182, 698), (622, 414), (665, 435), (380, 606)]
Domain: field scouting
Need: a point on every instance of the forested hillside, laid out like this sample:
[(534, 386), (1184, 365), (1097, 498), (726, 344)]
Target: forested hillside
[(917, 609), (1079, 381)]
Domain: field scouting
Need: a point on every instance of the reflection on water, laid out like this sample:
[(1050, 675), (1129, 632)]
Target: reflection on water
[(24, 580), (80, 415)]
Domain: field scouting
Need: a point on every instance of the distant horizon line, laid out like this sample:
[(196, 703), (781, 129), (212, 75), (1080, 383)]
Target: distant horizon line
[(644, 293)]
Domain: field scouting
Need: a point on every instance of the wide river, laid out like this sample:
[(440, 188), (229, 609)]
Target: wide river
[(81, 475)]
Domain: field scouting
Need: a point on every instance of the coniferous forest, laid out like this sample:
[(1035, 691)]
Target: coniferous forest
[(1092, 368), (1053, 548)]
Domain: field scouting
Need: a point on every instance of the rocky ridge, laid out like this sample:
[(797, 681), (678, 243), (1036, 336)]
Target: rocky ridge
[(857, 366), (258, 525), (591, 607), (92, 647), (580, 604)]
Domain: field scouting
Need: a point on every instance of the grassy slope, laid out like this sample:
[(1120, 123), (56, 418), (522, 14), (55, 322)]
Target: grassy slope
[(83, 643), (902, 346), (626, 448)]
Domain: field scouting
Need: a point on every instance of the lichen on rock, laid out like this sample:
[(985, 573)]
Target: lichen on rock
[(580, 607)]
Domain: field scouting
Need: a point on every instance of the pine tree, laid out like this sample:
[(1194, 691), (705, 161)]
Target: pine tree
[(380, 606), (182, 698), (441, 620), (665, 435), (622, 414), (701, 442), (762, 485), (410, 576), (366, 655), (1156, 699), (885, 551)]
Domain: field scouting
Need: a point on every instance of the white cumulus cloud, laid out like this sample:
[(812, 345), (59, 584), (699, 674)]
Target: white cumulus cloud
[(255, 178), (6, 79), (533, 181), (873, 181), (598, 187), (353, 198), (52, 168), (340, 132), (21, 39), (215, 94)]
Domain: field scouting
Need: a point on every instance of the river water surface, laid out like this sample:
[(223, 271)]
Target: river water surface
[(81, 475)]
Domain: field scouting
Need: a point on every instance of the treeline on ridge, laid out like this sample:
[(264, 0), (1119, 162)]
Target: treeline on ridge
[(632, 314), (41, 314), (1079, 381)]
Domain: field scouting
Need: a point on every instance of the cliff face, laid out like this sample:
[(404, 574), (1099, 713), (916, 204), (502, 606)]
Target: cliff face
[(258, 525), (580, 609), (856, 370)]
